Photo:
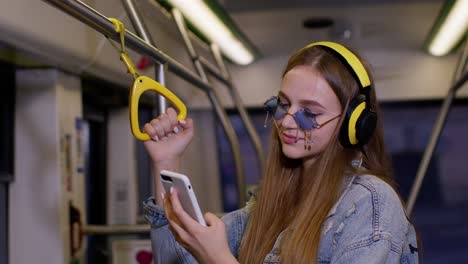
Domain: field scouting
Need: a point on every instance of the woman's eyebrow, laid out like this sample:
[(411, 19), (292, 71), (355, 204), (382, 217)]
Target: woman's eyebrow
[(310, 103), (280, 93), (304, 102)]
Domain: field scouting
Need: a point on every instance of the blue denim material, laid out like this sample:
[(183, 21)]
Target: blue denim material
[(367, 225)]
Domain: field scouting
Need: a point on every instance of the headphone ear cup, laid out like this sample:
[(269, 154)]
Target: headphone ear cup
[(365, 126), (358, 125)]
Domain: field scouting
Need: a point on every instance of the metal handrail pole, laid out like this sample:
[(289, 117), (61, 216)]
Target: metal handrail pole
[(142, 31), (240, 106), (100, 23), (437, 130), (221, 113), (213, 71)]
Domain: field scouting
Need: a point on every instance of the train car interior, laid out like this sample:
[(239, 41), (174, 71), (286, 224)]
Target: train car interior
[(81, 78)]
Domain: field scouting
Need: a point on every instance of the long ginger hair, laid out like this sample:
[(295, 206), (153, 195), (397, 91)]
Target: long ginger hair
[(294, 200)]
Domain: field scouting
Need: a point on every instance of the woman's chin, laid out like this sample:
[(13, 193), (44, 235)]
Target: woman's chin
[(296, 151)]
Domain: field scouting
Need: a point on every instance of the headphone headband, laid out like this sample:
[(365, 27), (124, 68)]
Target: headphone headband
[(350, 59)]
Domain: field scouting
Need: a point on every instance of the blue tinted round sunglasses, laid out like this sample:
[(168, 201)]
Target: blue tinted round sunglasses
[(305, 119)]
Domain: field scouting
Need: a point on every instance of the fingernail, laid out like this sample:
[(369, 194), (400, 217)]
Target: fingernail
[(171, 190), (183, 122), (155, 138), (176, 129), (169, 135)]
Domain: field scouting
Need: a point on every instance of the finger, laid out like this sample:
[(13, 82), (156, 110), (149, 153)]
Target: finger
[(187, 123), (171, 217), (149, 129), (188, 126), (186, 220), (180, 233), (172, 115), (168, 208), (165, 123), (156, 124)]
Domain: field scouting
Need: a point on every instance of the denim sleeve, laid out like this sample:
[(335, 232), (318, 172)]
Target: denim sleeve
[(165, 248), (235, 226)]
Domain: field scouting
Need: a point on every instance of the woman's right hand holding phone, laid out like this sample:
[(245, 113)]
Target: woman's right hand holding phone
[(170, 138)]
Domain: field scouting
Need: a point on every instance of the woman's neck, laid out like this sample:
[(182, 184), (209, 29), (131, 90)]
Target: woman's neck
[(308, 162)]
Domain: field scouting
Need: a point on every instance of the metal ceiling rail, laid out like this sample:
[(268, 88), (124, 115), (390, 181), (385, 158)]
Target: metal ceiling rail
[(459, 79), (100, 23)]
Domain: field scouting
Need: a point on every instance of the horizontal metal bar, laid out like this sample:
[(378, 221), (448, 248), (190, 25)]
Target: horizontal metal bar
[(100, 23), (115, 229)]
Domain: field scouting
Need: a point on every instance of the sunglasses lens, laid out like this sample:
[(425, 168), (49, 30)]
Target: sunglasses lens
[(305, 120), (302, 121), (280, 112), (271, 104)]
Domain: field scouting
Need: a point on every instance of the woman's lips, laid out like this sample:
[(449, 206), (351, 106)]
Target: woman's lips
[(289, 139)]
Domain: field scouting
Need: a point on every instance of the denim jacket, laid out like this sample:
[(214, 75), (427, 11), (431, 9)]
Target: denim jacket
[(366, 225)]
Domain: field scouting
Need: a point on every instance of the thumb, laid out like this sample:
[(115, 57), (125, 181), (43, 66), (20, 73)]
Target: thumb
[(188, 127), (186, 124)]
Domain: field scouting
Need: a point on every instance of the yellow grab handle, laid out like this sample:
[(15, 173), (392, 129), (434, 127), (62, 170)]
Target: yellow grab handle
[(141, 85)]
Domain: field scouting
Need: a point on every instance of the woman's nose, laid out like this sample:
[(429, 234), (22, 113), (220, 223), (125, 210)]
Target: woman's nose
[(289, 121)]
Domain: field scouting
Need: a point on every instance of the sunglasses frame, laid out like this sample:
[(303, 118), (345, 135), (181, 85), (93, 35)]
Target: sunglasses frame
[(297, 116)]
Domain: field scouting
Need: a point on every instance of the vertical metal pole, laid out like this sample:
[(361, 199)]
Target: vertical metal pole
[(143, 33), (221, 113), (4, 222), (7, 162), (240, 106), (436, 131), (161, 78)]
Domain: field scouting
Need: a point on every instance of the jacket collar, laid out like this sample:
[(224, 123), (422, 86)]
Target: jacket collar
[(346, 186)]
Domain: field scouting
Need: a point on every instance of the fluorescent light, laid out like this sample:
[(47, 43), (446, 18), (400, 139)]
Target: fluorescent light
[(452, 30), (204, 19)]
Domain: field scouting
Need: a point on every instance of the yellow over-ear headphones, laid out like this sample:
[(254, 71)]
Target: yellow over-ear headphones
[(360, 120)]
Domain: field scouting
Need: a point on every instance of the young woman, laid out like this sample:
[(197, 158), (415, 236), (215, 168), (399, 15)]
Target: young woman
[(323, 197)]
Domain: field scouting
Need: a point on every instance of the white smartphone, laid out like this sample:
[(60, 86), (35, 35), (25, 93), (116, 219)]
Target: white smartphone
[(185, 191)]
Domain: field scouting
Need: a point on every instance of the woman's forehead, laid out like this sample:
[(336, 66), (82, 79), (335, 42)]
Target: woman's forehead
[(305, 83)]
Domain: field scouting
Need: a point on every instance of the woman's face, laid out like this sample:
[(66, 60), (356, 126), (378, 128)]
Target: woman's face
[(304, 88)]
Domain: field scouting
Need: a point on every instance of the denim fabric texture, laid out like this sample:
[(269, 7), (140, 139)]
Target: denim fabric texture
[(367, 224)]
